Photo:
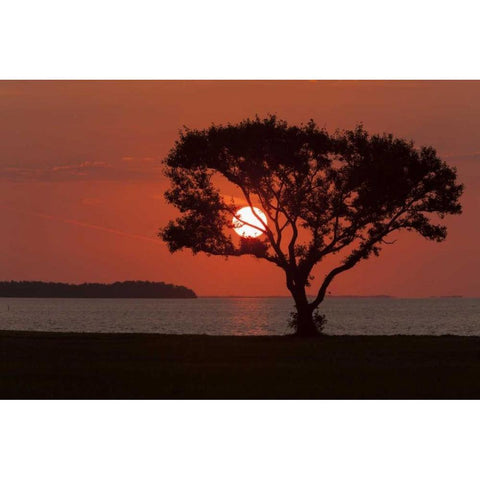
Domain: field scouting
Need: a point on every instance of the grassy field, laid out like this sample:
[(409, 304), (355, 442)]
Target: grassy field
[(68, 365)]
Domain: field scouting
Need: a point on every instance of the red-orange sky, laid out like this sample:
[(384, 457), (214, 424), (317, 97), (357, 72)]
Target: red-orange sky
[(81, 188)]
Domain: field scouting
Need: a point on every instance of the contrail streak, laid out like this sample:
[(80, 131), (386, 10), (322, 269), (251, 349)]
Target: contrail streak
[(82, 224)]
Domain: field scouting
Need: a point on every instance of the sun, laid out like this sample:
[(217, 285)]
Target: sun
[(254, 228)]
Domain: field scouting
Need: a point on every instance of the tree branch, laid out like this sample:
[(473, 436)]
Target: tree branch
[(268, 232), (355, 257)]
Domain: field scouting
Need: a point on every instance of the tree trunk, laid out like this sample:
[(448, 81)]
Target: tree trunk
[(305, 325)]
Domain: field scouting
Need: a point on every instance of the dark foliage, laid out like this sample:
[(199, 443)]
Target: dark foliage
[(132, 289), (319, 319), (323, 194)]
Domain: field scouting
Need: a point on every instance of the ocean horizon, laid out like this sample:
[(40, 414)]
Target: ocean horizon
[(241, 315)]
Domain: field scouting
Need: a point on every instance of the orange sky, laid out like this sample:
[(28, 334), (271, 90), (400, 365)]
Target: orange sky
[(81, 189)]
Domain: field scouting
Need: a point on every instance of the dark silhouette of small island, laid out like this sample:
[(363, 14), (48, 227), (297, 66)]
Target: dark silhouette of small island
[(128, 289)]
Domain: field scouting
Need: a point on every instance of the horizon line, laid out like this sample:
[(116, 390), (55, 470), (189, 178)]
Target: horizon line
[(338, 296)]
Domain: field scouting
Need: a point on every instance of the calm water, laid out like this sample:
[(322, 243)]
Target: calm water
[(240, 316)]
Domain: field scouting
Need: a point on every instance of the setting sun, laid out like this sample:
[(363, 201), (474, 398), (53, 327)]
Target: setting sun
[(246, 224)]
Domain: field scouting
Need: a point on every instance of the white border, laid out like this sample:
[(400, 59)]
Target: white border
[(252, 39), (239, 440)]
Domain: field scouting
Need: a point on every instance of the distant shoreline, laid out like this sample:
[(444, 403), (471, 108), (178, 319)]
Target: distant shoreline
[(126, 289), (335, 296), (289, 296)]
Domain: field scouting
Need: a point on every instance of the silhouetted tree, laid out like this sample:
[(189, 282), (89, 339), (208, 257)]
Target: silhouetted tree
[(323, 194)]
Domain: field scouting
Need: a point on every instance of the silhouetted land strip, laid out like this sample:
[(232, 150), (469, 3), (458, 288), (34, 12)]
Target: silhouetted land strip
[(68, 365), (128, 289)]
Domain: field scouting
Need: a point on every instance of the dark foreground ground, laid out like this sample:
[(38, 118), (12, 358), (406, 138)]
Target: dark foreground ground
[(55, 365)]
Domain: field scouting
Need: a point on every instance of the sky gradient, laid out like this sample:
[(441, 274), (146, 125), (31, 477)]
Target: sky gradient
[(81, 185)]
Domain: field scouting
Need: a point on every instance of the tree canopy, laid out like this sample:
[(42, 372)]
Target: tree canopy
[(322, 193)]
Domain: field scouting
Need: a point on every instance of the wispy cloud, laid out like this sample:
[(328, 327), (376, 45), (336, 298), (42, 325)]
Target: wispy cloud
[(144, 168), (138, 159), (463, 155), (82, 224), (91, 202), (79, 167)]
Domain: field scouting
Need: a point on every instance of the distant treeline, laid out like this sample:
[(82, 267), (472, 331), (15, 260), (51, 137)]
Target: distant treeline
[(130, 289)]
